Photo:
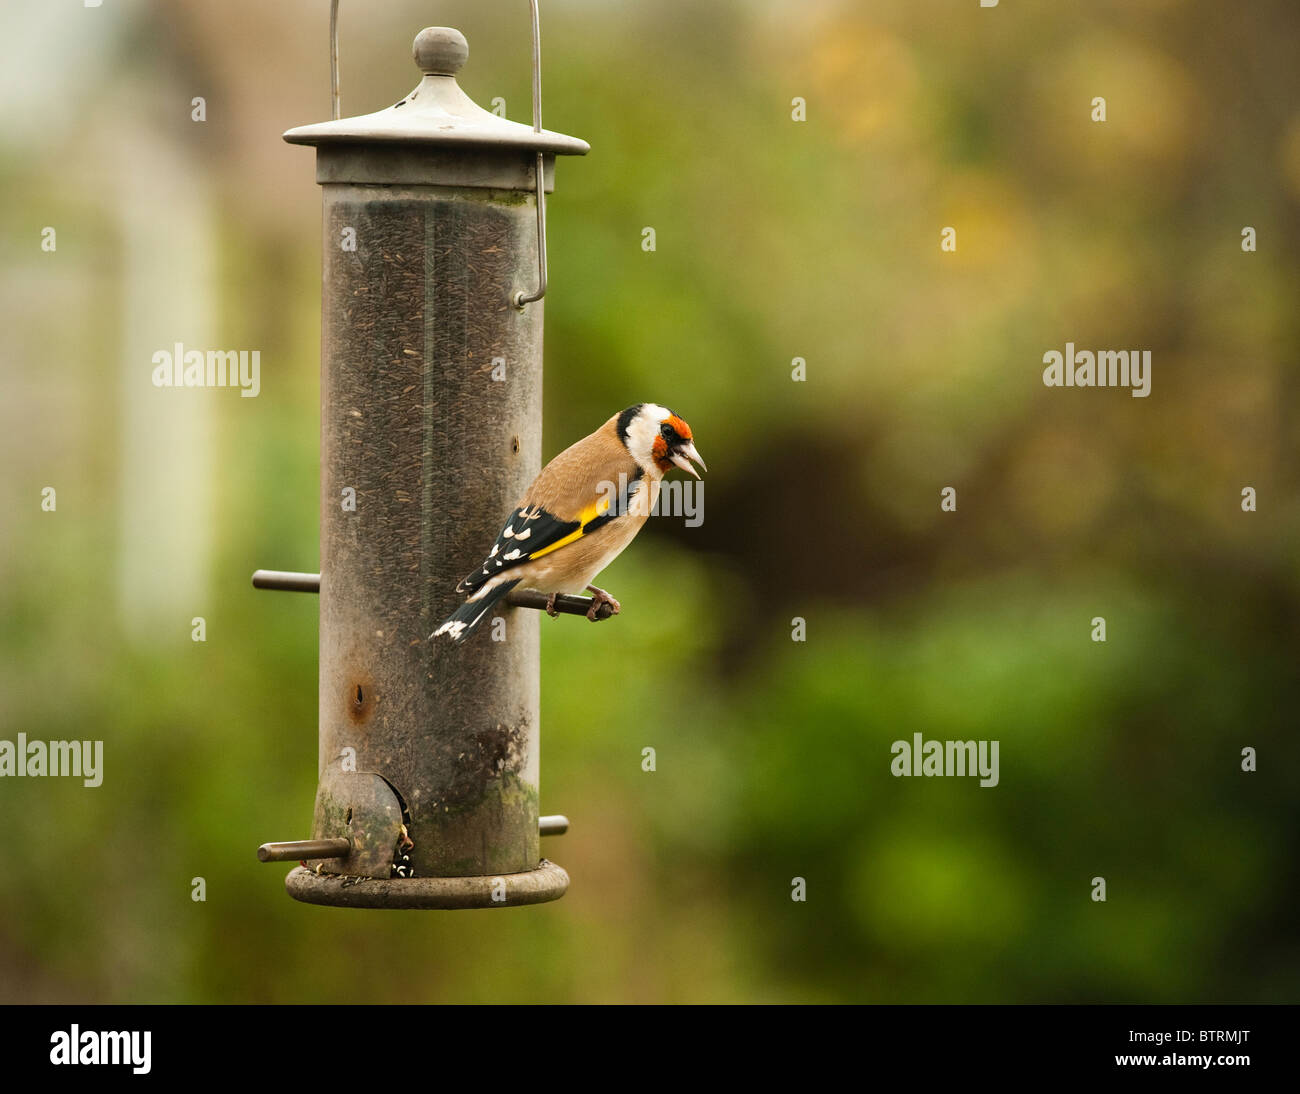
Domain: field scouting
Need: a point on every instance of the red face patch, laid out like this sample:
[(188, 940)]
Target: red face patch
[(660, 450), (683, 430)]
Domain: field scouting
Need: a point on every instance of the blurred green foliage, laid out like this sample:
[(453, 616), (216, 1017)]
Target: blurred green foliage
[(775, 239)]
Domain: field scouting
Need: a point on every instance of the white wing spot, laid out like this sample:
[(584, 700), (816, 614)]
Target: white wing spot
[(510, 556), (525, 533)]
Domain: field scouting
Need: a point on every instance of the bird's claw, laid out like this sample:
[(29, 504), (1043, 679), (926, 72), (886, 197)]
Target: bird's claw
[(550, 605), (598, 598)]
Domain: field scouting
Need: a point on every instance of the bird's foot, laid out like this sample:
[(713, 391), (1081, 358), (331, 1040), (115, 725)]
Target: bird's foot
[(598, 598), (550, 605)]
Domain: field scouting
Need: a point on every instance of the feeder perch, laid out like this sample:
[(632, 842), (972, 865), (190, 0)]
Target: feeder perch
[(431, 383)]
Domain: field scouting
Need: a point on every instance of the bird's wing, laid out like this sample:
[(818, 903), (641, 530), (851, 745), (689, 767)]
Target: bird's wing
[(534, 531)]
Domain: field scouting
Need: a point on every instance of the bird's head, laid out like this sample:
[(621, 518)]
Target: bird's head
[(658, 439)]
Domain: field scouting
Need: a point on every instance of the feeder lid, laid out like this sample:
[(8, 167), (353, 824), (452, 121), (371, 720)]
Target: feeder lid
[(438, 111)]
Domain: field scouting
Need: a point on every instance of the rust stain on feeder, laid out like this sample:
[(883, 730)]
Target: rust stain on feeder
[(361, 701)]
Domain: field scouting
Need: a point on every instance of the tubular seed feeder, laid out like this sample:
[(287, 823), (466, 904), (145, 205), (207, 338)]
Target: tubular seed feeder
[(431, 382)]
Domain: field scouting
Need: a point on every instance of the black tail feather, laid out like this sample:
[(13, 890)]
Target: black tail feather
[(464, 620)]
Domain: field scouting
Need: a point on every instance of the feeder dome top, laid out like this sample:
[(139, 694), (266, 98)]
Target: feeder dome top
[(438, 112)]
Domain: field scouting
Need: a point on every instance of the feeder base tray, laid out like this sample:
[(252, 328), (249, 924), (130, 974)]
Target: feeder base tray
[(547, 882)]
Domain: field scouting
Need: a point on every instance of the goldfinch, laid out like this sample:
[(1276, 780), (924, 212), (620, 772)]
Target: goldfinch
[(583, 508)]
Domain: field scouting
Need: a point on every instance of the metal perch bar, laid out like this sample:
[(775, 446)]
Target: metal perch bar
[(565, 604), (286, 581), (297, 850), (553, 826), (294, 850)]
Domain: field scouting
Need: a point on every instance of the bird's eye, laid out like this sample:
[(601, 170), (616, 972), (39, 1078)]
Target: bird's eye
[(666, 431)]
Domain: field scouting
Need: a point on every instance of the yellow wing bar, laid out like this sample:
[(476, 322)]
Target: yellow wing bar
[(593, 512)]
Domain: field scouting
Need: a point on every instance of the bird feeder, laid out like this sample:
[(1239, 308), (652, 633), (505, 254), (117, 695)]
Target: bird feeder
[(431, 387)]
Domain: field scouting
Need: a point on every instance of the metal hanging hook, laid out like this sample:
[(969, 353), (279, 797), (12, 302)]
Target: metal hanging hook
[(335, 97), (521, 298)]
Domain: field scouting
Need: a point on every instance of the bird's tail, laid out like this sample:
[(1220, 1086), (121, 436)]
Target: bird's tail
[(461, 623)]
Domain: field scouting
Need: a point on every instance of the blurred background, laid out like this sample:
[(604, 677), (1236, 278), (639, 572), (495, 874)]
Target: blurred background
[(776, 239)]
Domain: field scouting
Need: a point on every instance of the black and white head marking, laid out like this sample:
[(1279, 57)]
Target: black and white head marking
[(638, 426)]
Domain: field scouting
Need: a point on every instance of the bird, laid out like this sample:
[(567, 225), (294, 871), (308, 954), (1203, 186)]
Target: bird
[(583, 508)]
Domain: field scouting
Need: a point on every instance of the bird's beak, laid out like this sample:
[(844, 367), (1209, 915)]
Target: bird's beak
[(685, 453)]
